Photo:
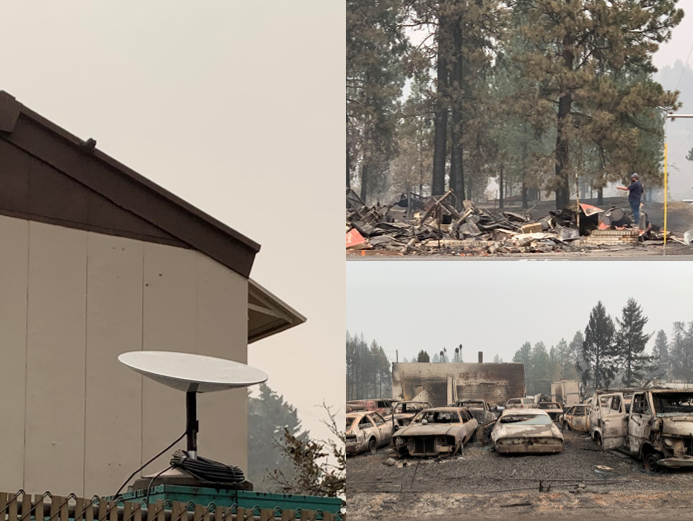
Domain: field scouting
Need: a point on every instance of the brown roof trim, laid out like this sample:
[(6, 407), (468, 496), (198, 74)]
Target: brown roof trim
[(267, 314), (44, 140)]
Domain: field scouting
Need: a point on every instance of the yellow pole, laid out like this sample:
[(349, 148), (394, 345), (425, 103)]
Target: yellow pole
[(665, 194)]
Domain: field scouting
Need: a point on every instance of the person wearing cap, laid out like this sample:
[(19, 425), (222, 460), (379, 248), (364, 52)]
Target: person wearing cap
[(635, 191)]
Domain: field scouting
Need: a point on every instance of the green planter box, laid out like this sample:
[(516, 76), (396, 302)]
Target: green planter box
[(227, 498)]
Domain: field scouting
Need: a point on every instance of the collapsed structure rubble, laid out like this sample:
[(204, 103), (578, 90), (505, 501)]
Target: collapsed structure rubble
[(436, 225)]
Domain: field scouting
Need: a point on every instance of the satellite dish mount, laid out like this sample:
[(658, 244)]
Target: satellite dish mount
[(193, 374)]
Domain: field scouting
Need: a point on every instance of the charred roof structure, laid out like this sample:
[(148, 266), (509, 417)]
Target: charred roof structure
[(445, 383)]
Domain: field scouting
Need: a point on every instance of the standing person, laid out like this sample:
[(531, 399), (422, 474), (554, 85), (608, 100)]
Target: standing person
[(635, 191)]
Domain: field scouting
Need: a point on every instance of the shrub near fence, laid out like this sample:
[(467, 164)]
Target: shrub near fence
[(25, 507)]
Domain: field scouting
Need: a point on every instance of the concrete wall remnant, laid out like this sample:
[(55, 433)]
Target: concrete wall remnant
[(445, 383)]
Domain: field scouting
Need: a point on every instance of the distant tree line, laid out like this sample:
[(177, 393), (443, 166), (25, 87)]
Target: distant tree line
[(369, 372), (610, 353), (368, 369)]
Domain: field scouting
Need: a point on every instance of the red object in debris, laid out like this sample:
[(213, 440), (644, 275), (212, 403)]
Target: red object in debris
[(588, 209), (603, 226), (354, 240)]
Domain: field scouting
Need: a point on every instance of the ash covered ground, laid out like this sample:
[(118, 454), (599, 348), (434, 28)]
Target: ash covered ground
[(484, 483)]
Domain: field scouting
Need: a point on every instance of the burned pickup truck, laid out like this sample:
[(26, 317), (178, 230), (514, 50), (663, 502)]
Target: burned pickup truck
[(658, 430)]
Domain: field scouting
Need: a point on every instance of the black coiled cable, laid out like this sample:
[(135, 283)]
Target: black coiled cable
[(207, 469)]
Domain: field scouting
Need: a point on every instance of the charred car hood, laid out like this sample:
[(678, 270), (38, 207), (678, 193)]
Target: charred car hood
[(504, 430), (677, 425), (432, 429)]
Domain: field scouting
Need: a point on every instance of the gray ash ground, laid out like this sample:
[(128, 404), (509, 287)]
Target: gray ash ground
[(480, 470), (482, 484)]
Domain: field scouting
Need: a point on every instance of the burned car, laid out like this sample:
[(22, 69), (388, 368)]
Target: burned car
[(658, 430), (576, 418), (404, 412), (480, 409), (553, 409), (522, 431), (350, 407), (436, 431), (366, 431), (382, 406), (520, 403)]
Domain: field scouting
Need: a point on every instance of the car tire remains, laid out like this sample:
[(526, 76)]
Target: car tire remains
[(650, 461)]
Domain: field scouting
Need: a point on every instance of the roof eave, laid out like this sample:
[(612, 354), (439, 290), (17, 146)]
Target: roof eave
[(282, 315)]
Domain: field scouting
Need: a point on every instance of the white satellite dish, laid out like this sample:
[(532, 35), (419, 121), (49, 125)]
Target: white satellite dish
[(192, 374)]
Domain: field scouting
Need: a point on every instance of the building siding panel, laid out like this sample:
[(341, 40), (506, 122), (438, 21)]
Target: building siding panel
[(14, 272), (222, 331), (113, 392), (72, 301), (170, 295), (55, 359)]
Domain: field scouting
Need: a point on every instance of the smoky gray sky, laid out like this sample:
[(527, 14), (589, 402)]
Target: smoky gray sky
[(495, 307), (679, 47), (236, 107)]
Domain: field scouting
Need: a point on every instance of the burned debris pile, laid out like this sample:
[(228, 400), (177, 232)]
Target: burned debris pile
[(437, 225)]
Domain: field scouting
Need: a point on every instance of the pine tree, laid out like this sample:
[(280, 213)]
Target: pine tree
[(368, 369), (555, 362), (375, 45), (269, 416), (630, 344), (540, 377), (423, 357), (660, 354), (524, 356), (681, 352), (577, 361), (412, 165), (584, 55), (598, 349), (463, 34)]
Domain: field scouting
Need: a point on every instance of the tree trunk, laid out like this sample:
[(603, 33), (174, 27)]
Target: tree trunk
[(524, 166), (364, 180), (600, 196), (440, 139), (348, 169), (562, 144), (501, 194), (524, 195), (456, 156)]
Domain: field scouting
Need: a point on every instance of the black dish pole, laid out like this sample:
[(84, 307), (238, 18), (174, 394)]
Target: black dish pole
[(191, 425)]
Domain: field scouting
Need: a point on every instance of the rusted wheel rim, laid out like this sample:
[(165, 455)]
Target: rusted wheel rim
[(372, 445), (651, 462)]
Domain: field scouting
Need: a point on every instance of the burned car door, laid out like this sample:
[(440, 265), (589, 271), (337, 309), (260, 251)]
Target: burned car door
[(568, 418), (639, 425), (613, 420), (469, 426), (579, 419), (384, 429), (369, 430)]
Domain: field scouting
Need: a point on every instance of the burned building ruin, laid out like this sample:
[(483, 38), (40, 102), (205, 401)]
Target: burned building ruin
[(446, 383)]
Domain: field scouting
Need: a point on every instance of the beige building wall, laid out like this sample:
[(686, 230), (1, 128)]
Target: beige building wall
[(75, 419)]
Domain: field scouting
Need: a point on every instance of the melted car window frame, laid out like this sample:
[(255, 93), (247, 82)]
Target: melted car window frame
[(526, 419)]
